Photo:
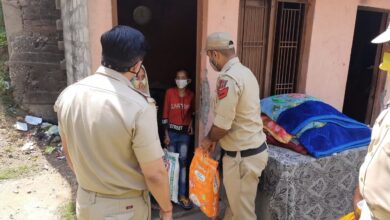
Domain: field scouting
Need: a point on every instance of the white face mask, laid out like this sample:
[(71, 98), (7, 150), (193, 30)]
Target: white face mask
[(214, 66), (181, 83)]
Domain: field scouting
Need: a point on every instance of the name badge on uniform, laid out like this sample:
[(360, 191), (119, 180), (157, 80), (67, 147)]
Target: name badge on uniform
[(222, 89)]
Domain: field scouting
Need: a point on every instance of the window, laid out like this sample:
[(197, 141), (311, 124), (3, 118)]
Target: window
[(269, 43)]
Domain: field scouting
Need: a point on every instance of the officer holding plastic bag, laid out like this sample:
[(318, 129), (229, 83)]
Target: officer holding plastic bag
[(374, 176), (237, 127)]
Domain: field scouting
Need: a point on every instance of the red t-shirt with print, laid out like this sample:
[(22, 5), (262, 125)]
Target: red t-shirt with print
[(178, 110)]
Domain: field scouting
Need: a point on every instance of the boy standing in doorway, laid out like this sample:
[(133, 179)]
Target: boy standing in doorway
[(177, 119)]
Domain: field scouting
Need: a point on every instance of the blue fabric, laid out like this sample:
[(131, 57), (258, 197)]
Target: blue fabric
[(179, 144), (295, 119), (333, 138), (340, 132), (273, 106)]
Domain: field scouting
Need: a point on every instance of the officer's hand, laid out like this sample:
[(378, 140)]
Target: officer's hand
[(165, 215), (357, 197), (167, 140), (208, 145)]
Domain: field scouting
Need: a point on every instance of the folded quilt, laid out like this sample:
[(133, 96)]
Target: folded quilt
[(273, 106), (337, 132)]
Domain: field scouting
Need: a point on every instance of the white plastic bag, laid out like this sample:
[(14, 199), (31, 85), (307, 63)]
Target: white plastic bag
[(171, 161)]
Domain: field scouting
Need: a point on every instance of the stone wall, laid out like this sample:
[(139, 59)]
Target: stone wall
[(36, 52), (76, 39)]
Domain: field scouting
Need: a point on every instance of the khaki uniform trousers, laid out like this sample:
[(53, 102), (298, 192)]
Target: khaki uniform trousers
[(241, 178), (91, 206)]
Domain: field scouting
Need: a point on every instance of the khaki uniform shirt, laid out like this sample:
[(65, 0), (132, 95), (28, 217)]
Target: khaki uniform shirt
[(110, 129), (237, 108), (374, 176)]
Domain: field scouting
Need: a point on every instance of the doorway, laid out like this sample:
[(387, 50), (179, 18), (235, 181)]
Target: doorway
[(363, 67), (170, 28)]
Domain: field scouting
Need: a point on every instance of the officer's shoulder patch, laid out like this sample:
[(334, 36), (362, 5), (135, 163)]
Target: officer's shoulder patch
[(222, 88)]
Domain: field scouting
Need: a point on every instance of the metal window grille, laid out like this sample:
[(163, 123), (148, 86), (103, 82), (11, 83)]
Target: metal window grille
[(288, 34)]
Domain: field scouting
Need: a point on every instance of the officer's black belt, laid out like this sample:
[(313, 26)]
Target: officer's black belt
[(249, 152)]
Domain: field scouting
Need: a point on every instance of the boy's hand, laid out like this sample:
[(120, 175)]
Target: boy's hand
[(167, 140), (190, 130)]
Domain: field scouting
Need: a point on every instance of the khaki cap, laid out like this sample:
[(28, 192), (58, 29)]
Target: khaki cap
[(219, 41), (382, 38)]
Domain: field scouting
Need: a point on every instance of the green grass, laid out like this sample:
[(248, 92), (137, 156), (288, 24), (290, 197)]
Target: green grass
[(9, 149), (49, 149), (68, 211), (4, 77), (13, 172), (3, 39), (6, 97)]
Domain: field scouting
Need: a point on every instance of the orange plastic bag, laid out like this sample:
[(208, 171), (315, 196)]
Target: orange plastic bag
[(349, 216), (204, 183)]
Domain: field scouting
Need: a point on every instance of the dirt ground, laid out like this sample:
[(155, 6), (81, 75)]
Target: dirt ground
[(34, 184), (37, 184)]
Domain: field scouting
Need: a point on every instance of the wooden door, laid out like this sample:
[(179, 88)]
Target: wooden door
[(252, 37)]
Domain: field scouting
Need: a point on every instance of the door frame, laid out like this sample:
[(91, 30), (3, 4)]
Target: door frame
[(378, 82), (201, 27)]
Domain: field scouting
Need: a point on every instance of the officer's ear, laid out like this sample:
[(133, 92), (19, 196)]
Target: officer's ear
[(215, 54)]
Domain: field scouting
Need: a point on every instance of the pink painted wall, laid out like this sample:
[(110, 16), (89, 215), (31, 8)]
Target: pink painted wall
[(100, 21), (330, 48), (222, 15), (380, 4)]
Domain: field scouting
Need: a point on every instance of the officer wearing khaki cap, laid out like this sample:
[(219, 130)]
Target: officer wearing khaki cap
[(374, 175), (237, 127), (110, 138)]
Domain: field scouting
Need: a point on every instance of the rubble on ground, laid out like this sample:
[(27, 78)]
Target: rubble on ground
[(45, 134)]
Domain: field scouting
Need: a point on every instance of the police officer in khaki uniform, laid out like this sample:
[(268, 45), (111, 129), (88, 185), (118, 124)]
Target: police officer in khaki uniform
[(109, 135), (237, 127), (374, 175)]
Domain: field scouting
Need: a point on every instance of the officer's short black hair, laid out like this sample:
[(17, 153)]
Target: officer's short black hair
[(122, 48)]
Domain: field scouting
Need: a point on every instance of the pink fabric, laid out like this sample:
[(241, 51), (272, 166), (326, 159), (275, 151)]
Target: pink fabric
[(276, 130), (292, 146)]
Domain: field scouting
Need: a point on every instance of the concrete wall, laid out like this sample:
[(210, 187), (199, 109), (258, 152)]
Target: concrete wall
[(34, 63), (330, 47), (84, 22), (76, 39)]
